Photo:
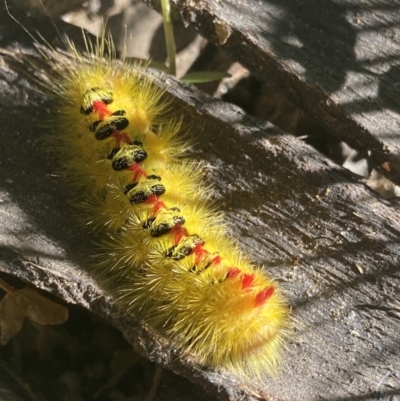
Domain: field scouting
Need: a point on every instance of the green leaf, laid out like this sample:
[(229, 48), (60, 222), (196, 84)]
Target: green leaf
[(204, 76)]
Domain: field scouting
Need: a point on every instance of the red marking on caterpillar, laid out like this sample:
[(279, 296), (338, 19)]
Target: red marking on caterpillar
[(101, 109), (264, 295), (202, 254), (233, 272), (179, 233), (138, 172), (120, 137), (157, 204), (247, 281)]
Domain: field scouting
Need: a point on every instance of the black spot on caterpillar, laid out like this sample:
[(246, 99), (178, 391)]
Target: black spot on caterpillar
[(103, 129), (123, 157), (94, 94)]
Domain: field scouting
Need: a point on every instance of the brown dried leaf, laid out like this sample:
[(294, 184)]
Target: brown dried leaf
[(40, 309), (11, 318)]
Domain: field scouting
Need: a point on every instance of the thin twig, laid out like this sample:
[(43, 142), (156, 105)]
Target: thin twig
[(156, 382), (169, 35)]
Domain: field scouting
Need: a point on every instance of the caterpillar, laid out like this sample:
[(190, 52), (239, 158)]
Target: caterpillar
[(164, 252)]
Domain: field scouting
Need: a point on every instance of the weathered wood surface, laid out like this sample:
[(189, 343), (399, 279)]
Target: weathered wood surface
[(337, 59), (329, 240)]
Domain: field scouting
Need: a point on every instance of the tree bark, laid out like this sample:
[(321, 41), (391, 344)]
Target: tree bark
[(338, 61), (319, 230)]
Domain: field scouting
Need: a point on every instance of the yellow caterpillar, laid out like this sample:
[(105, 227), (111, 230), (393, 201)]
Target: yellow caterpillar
[(165, 253)]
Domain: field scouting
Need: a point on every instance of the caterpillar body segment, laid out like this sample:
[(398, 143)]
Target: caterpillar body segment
[(174, 264)]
